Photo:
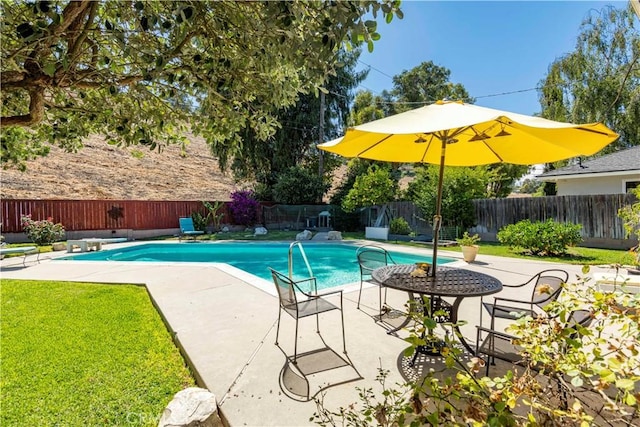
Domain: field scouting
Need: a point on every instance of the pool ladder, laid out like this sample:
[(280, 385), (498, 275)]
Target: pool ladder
[(304, 258)]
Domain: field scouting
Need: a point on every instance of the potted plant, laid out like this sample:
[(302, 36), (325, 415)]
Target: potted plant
[(468, 244)]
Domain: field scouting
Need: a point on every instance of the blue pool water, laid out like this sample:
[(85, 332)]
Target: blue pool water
[(332, 264)]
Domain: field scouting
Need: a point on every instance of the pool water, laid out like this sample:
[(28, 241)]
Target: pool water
[(333, 264)]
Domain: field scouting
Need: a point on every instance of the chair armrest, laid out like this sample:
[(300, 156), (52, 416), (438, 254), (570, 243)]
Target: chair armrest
[(494, 332), (324, 294), (496, 299), (297, 282)]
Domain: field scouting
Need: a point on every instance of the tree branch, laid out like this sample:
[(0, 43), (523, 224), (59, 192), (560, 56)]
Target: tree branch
[(36, 111)]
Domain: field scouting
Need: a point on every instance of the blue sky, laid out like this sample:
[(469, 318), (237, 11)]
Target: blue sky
[(489, 47)]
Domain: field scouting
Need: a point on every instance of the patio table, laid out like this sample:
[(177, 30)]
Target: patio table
[(448, 282)]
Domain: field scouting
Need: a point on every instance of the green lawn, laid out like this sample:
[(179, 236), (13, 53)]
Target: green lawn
[(577, 255), (84, 354)]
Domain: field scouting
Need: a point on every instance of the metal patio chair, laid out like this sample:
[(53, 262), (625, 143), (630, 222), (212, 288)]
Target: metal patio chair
[(547, 286), (371, 257), (299, 304), (501, 345)]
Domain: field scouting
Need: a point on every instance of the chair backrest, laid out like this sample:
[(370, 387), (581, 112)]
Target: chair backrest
[(548, 285), (186, 224), (285, 288), (371, 257)]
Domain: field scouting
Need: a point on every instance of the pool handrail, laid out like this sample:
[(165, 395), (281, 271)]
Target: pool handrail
[(304, 257)]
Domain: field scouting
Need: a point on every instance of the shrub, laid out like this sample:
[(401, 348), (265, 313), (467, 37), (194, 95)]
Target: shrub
[(376, 187), (459, 186), (630, 215), (399, 226), (43, 232), (298, 186), (199, 221), (244, 207), (541, 238)]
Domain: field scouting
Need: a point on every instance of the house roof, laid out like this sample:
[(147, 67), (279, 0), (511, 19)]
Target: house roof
[(620, 161)]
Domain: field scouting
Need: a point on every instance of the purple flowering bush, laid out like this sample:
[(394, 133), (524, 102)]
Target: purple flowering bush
[(43, 232), (244, 207)]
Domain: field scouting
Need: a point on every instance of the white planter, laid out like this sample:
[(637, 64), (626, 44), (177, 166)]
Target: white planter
[(469, 252), (380, 233)]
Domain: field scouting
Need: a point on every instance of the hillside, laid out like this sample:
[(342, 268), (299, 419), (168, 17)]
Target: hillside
[(102, 171)]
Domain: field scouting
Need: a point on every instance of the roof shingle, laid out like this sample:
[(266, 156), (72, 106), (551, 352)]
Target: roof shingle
[(624, 160)]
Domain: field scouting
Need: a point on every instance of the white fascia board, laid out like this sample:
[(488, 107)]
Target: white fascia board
[(589, 175)]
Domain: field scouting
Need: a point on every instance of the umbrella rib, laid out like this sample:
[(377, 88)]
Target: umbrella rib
[(593, 131), (374, 145), (493, 151), (424, 154)]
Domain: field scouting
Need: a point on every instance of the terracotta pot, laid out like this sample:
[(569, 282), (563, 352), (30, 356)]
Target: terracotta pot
[(469, 252)]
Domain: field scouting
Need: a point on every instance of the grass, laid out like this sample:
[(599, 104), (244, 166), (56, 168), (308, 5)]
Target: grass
[(84, 354), (575, 255)]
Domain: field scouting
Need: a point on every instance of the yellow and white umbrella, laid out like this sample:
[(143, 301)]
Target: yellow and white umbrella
[(457, 134)]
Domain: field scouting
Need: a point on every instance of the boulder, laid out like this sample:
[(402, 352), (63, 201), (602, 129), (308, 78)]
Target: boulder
[(260, 231), (304, 235), (334, 235), (192, 407)]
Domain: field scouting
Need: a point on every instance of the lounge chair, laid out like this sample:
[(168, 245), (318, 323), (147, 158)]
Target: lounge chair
[(23, 250), (187, 229)]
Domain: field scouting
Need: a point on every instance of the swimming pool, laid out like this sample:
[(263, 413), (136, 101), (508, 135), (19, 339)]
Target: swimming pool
[(333, 264)]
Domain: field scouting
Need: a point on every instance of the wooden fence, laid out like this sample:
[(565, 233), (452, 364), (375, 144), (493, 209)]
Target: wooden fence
[(78, 215), (598, 214)]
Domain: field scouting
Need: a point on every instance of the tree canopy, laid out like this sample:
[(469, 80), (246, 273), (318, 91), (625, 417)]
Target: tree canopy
[(600, 80), (294, 142), (143, 72)]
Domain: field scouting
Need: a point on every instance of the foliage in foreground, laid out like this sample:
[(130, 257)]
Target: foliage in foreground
[(571, 375), (630, 216), (84, 354), (541, 238)]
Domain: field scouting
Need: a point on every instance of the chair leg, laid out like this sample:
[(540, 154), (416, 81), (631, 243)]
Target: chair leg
[(359, 294), (278, 328), (344, 341), (380, 301), (295, 345)]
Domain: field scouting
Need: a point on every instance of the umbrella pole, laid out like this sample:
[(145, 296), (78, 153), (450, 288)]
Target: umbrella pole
[(437, 219)]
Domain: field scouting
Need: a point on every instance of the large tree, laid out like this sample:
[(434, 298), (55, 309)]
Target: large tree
[(143, 72), (294, 142), (600, 80), (424, 84)]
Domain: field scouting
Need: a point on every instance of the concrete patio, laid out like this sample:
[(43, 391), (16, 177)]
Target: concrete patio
[(224, 321)]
